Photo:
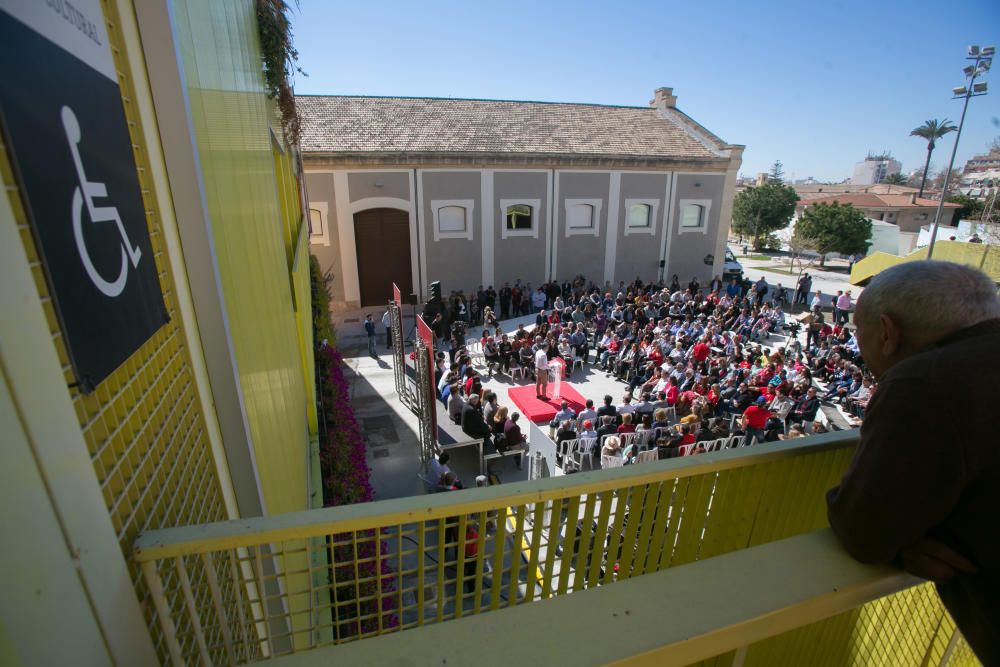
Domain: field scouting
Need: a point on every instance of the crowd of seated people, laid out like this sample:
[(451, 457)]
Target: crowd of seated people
[(701, 350)]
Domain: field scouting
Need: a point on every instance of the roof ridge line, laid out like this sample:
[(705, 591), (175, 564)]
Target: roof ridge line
[(477, 99)]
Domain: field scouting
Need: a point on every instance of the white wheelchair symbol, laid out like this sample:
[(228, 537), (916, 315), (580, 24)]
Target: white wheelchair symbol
[(85, 194)]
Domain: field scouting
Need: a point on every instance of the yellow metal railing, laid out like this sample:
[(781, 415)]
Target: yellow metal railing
[(798, 601), (236, 591)]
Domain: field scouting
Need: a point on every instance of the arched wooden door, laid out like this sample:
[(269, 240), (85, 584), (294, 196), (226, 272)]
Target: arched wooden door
[(382, 240)]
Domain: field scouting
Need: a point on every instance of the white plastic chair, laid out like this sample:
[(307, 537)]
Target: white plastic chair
[(576, 361), (685, 450), (629, 439), (671, 415), (518, 371), (709, 445), (647, 456), (565, 449), (584, 448), (645, 437), (610, 461)]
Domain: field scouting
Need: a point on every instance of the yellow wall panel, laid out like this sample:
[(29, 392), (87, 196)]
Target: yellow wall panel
[(245, 188)]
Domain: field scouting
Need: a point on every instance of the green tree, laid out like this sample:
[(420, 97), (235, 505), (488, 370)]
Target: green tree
[(777, 173), (763, 210), (895, 179), (931, 130), (834, 228), (972, 209)]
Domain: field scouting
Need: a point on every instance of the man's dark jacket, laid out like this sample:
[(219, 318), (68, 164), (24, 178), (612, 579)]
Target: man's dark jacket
[(473, 423), (928, 467)]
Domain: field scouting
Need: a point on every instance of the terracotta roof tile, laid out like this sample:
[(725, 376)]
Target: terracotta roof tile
[(348, 124), (869, 200)]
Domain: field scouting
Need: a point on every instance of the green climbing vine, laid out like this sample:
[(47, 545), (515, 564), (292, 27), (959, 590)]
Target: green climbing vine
[(279, 57)]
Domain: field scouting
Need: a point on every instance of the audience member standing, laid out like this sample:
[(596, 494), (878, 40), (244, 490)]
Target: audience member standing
[(370, 330)]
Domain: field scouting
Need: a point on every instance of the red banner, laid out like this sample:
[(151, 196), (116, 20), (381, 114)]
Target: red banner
[(427, 335), (396, 296)]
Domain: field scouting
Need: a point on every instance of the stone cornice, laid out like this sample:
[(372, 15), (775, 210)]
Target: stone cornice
[(314, 160)]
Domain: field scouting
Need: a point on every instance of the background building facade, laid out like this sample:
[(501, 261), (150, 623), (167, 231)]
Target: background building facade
[(479, 192), (875, 169)]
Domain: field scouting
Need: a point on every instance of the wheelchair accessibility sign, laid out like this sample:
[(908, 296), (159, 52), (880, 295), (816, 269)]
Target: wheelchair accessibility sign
[(83, 198), (64, 124)]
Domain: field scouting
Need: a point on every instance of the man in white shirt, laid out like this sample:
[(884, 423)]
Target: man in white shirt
[(538, 299), (844, 307), (387, 323), (542, 371), (437, 469), (626, 408), (817, 300)]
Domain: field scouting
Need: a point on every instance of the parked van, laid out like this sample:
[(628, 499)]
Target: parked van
[(732, 268)]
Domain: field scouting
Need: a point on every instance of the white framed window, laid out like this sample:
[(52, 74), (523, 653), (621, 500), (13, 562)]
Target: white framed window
[(319, 231), (453, 218), (583, 217), (641, 215), (315, 223), (693, 215), (520, 217)]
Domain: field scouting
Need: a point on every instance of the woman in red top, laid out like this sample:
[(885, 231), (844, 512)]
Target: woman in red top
[(701, 352), (673, 392), (626, 426), (687, 438), (713, 395)]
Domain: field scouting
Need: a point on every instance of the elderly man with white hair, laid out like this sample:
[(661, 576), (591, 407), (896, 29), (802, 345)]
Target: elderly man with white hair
[(923, 490)]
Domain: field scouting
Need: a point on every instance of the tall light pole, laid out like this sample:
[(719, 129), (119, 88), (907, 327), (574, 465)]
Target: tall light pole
[(983, 59)]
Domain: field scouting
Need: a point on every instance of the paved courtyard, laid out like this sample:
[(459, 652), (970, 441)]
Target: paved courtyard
[(391, 429)]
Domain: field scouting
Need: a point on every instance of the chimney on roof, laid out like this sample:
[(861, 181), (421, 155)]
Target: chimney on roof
[(663, 98)]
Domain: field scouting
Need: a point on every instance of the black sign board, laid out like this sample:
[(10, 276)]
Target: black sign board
[(67, 137)]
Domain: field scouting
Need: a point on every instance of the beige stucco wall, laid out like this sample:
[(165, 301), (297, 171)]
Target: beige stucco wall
[(457, 263), (366, 184), (320, 189), (638, 254), (688, 249), (581, 254), (521, 257)]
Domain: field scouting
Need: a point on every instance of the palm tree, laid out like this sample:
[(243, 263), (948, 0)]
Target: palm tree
[(931, 130)]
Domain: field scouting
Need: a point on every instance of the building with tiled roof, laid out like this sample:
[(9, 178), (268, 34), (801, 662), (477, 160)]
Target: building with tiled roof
[(906, 211), (469, 192), (426, 128)]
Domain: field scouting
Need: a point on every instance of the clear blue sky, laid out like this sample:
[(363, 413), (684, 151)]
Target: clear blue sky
[(815, 84)]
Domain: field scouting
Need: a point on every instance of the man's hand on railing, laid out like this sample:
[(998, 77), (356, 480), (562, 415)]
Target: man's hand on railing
[(930, 559)]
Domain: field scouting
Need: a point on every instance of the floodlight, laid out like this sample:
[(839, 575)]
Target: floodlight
[(973, 50), (984, 64), (988, 51), (979, 87), (959, 91), (969, 70)]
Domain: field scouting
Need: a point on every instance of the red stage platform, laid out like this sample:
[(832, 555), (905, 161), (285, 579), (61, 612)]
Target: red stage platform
[(540, 411)]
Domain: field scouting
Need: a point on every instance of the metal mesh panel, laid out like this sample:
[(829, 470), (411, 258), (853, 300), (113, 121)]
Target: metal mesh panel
[(908, 628), (143, 425), (385, 571)]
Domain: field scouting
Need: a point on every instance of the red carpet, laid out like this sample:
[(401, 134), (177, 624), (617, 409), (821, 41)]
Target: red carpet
[(540, 411)]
